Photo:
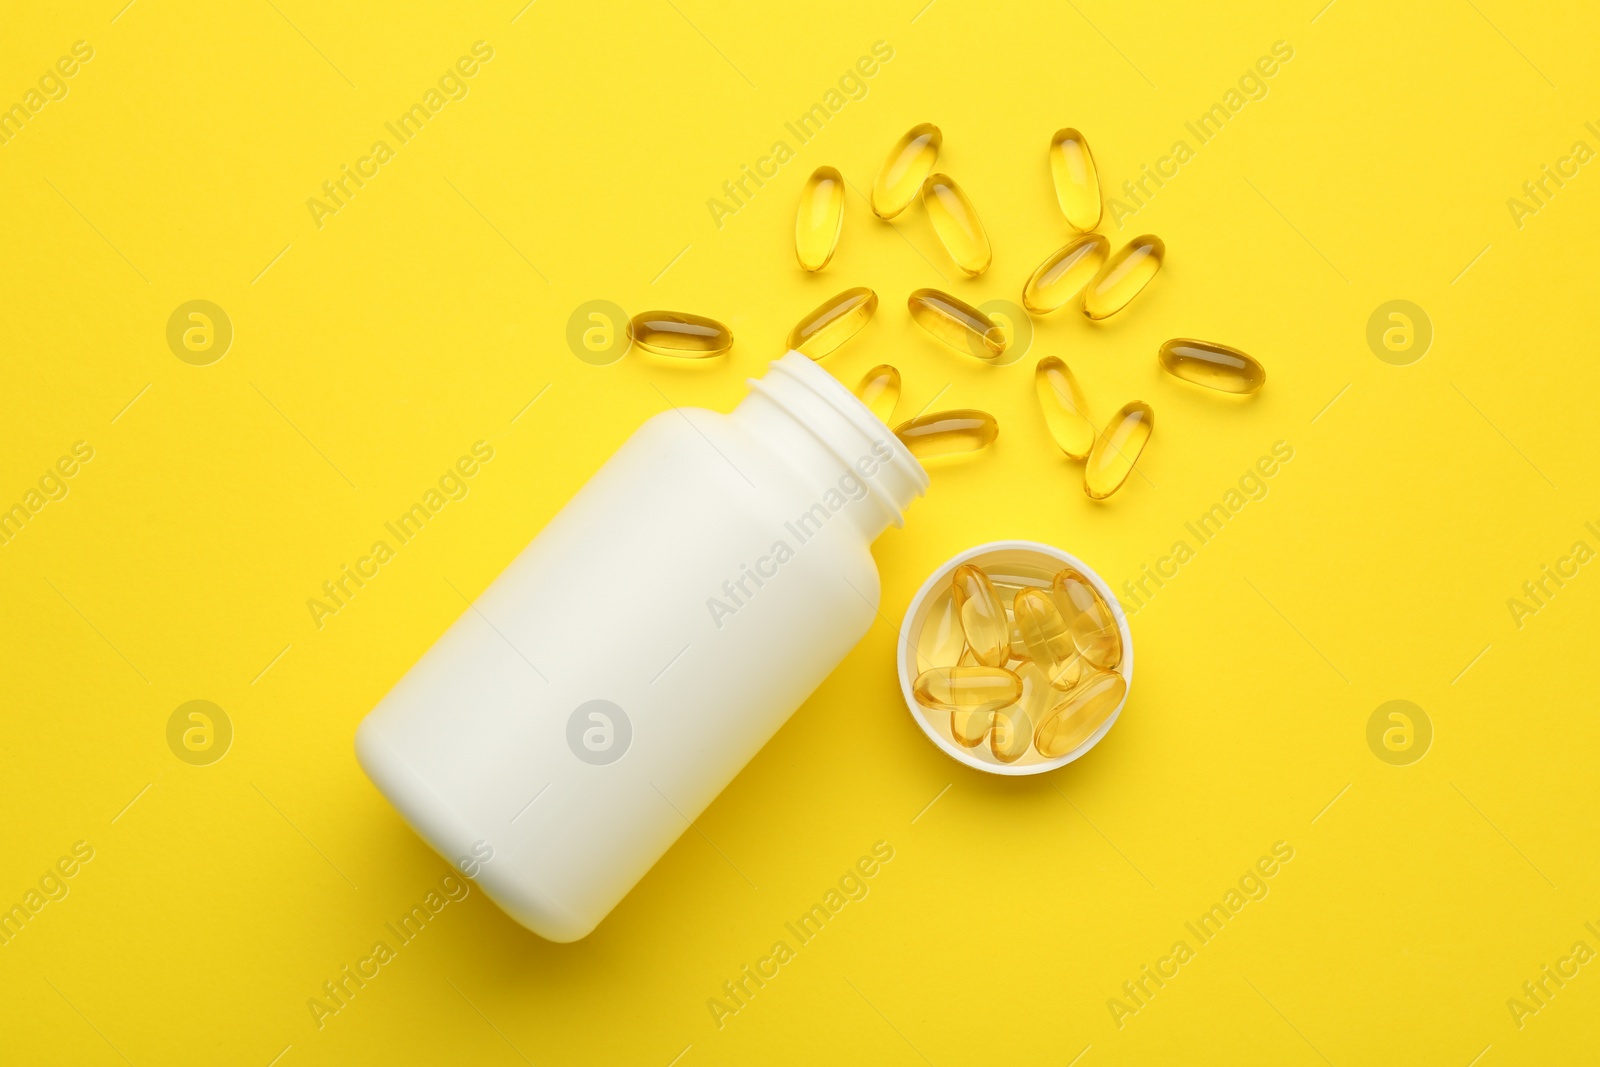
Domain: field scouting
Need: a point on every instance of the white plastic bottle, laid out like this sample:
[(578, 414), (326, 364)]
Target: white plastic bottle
[(563, 732)]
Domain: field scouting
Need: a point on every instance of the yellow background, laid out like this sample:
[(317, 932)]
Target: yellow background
[(428, 313)]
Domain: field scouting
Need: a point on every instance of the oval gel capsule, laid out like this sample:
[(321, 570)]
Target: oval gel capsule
[(982, 616), (1117, 449), (678, 333), (909, 162), (1064, 273), (1070, 722), (975, 689), (880, 391), (1124, 276), (956, 222), (835, 322), (1064, 412), (819, 218), (1212, 365), (957, 323), (1089, 622), (1077, 184), (948, 433)]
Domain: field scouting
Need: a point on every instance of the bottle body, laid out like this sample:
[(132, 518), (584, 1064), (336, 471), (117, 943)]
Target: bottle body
[(614, 678)]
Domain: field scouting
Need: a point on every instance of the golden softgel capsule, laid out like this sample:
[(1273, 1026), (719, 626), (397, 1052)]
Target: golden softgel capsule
[(1077, 184), (834, 323), (1013, 726), (975, 689), (819, 218), (1064, 273), (1070, 722), (1092, 628), (1117, 449), (948, 433), (982, 616), (1124, 276), (678, 333), (1048, 638), (880, 391), (910, 161), (1063, 407), (956, 222), (1212, 365), (957, 323)]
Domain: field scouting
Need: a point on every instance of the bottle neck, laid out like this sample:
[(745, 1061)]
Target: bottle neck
[(841, 449)]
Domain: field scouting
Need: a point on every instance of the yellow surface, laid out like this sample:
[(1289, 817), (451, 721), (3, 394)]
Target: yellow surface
[(431, 309)]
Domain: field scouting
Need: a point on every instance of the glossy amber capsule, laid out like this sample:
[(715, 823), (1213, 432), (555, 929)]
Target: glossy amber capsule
[(975, 689), (956, 222), (1077, 184), (982, 616), (940, 643), (1008, 597), (678, 333), (948, 433), (1048, 638), (880, 391), (1064, 273), (1080, 714), (819, 218), (1013, 726), (1212, 365), (1011, 733), (838, 319), (1062, 403), (1117, 449), (909, 162), (1093, 628), (957, 323), (1124, 276)]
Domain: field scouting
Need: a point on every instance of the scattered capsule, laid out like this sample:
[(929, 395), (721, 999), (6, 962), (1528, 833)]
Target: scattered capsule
[(1048, 638), (948, 433), (1070, 722), (1117, 449), (880, 391), (678, 333), (955, 220), (975, 689), (971, 727), (1093, 629), (908, 163), (1212, 365), (1125, 274), (1077, 184), (819, 218), (982, 616), (1064, 273), (835, 322), (941, 642), (1064, 411), (957, 323)]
